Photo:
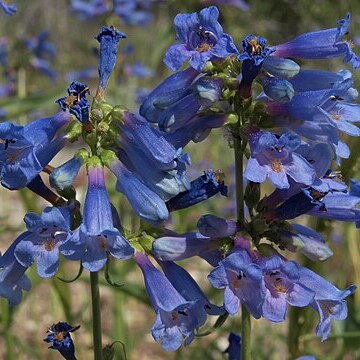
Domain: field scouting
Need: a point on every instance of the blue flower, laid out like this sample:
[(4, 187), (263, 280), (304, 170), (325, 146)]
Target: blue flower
[(321, 44), (46, 233), (26, 150), (213, 226), (59, 336), (188, 287), (283, 288), (171, 90), (234, 348), (146, 203), (40, 47), (9, 10), (89, 9), (243, 282), (12, 275), (329, 301), (202, 188), (255, 52), (176, 247), (64, 175), (138, 70), (133, 12), (241, 4), (276, 158), (176, 318), (202, 40), (76, 103), (96, 238), (108, 38)]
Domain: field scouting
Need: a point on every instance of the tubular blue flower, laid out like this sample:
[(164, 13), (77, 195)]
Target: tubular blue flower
[(154, 145), (241, 4), (281, 68), (9, 9), (203, 93), (175, 317), (178, 247), (76, 103), (12, 275), (276, 158), (188, 287), (59, 336), (38, 187), (108, 38), (321, 44), (171, 90), (255, 52), (133, 12), (146, 203), (97, 237), (43, 66), (26, 150), (202, 40), (196, 130), (46, 233), (202, 188), (329, 301), (277, 89), (138, 70), (215, 227), (338, 206), (234, 348), (64, 175), (166, 184), (283, 288), (89, 9), (243, 283), (307, 241), (40, 47)]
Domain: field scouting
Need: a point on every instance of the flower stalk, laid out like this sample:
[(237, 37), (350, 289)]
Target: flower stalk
[(96, 315)]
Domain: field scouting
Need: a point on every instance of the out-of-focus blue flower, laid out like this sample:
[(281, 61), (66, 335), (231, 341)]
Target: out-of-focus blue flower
[(89, 9), (188, 287), (329, 301), (97, 237), (283, 288), (176, 247), (9, 9), (141, 94), (44, 66), (4, 52), (202, 40), (46, 233), (202, 188), (321, 44), (12, 275), (40, 47), (88, 73), (243, 283), (133, 12), (276, 158), (234, 348), (108, 38), (176, 318), (76, 103), (138, 70), (59, 336), (241, 4), (26, 150)]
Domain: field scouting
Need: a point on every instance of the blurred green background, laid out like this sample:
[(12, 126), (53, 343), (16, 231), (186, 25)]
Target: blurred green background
[(127, 316)]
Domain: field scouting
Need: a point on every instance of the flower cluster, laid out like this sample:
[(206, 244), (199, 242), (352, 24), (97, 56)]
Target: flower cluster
[(290, 131)]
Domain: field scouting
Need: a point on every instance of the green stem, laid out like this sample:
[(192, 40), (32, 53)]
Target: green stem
[(239, 183), (96, 315), (294, 331)]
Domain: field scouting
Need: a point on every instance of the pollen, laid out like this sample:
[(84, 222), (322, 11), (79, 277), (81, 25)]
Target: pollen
[(219, 176), (335, 117), (49, 244), (256, 48), (280, 288), (350, 43), (276, 165), (203, 47), (59, 336), (71, 100)]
